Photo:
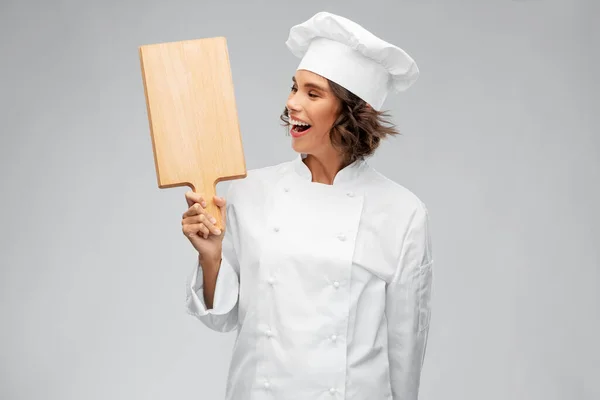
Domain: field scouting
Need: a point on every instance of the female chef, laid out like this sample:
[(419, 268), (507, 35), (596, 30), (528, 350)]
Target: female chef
[(325, 266)]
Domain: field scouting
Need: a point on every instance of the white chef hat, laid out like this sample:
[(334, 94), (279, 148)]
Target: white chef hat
[(346, 53)]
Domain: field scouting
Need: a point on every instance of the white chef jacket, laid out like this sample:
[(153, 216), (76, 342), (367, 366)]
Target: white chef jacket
[(328, 286)]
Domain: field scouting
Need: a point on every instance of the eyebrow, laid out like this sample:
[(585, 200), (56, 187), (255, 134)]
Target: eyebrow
[(311, 85)]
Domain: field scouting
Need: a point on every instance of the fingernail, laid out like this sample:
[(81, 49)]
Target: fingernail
[(203, 204), (213, 220), (218, 231)]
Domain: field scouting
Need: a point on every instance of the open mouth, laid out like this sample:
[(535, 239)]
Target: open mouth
[(298, 127)]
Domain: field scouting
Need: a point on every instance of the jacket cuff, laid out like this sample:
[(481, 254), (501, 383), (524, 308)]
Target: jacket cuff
[(226, 291)]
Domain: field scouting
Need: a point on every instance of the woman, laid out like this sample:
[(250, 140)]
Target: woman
[(325, 265)]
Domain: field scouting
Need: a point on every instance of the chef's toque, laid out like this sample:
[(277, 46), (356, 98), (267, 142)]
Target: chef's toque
[(346, 53)]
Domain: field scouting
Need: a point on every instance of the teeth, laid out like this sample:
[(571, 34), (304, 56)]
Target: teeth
[(294, 122)]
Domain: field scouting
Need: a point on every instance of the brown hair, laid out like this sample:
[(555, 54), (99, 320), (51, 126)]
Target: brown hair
[(358, 129)]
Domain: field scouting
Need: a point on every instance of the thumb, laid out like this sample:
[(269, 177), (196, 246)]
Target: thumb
[(221, 203)]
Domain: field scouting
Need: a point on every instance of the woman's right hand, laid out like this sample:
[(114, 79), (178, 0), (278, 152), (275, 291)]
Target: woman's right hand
[(197, 226)]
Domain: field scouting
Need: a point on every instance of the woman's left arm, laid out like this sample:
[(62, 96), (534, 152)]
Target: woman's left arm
[(408, 310)]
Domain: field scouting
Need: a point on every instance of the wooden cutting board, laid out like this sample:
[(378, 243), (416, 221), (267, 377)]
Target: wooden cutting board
[(193, 118)]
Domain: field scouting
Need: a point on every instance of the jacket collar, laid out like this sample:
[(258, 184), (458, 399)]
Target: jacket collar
[(348, 174)]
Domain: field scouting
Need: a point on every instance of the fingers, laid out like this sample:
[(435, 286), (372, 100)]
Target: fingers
[(204, 219), (198, 217), (193, 197), (190, 230), (195, 209)]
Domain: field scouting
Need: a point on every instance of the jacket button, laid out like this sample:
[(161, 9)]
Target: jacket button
[(350, 194), (271, 280), (333, 337), (336, 284), (268, 333), (342, 237), (332, 390), (276, 229), (267, 385), (286, 189)]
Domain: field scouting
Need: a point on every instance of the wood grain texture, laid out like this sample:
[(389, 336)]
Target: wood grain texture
[(192, 113)]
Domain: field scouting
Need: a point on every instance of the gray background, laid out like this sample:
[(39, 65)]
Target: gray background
[(499, 140)]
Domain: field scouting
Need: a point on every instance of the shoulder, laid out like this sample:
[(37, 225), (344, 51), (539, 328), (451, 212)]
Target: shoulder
[(405, 216), (257, 180), (393, 196)]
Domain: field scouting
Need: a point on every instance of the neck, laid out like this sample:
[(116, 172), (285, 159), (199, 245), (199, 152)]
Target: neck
[(324, 168)]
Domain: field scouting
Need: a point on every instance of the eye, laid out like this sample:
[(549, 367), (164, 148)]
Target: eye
[(293, 88), (312, 95)]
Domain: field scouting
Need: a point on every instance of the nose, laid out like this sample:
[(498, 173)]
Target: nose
[(291, 104)]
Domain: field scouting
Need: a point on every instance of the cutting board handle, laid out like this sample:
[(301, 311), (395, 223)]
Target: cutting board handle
[(208, 192)]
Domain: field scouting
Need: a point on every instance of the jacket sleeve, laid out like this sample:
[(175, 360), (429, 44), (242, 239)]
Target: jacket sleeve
[(407, 309), (223, 317)]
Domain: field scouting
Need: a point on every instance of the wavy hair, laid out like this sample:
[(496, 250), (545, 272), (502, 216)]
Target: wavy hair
[(358, 129)]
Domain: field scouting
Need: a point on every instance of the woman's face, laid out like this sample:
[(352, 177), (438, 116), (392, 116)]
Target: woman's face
[(312, 102)]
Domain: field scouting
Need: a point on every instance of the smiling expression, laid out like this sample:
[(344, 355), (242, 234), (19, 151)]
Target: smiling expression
[(311, 102)]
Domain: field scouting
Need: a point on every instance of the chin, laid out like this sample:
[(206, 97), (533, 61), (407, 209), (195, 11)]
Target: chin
[(299, 147), (296, 147)]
